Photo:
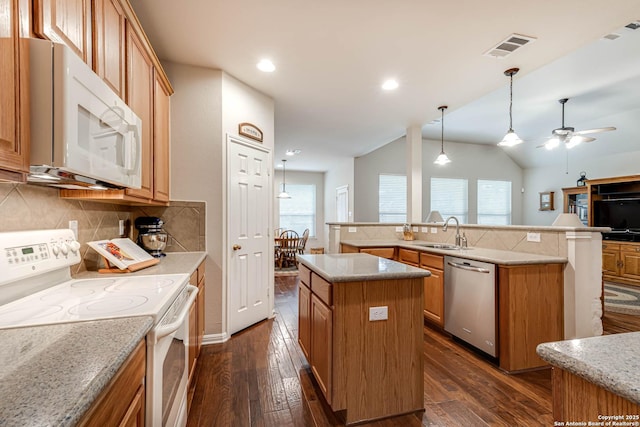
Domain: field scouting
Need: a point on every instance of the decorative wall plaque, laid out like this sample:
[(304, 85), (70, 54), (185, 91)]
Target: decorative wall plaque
[(250, 131)]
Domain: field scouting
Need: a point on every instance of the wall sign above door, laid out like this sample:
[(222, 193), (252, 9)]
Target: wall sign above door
[(250, 131)]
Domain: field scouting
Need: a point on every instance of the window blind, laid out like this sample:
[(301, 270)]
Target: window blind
[(299, 212), (450, 197), (494, 202), (392, 198)]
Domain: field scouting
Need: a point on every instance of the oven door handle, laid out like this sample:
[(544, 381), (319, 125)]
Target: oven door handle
[(170, 328)]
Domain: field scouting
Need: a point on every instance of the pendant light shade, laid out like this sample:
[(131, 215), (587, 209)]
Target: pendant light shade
[(283, 194), (511, 138), (442, 157)]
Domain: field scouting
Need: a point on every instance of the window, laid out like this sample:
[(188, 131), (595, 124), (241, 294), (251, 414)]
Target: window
[(299, 212), (449, 196), (392, 198), (494, 202)]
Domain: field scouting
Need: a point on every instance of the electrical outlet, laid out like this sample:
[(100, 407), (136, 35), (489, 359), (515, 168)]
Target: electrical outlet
[(414, 229), (533, 237), (378, 313), (434, 230), (121, 228), (424, 229), (73, 225), (352, 229), (399, 229)]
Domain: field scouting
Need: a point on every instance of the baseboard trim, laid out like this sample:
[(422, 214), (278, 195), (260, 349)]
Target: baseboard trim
[(215, 338)]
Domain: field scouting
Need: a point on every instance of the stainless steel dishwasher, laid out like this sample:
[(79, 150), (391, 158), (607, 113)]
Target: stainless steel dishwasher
[(470, 302)]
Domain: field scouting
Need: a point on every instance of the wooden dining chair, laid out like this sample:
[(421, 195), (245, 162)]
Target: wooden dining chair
[(303, 241), (289, 240)]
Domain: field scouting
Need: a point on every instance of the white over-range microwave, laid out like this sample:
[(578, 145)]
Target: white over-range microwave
[(83, 136)]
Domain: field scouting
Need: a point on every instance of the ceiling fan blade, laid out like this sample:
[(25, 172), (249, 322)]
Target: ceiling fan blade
[(596, 130), (577, 139)]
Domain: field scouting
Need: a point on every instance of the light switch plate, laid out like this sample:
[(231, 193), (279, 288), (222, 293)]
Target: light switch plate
[(434, 230), (399, 229), (424, 229), (352, 229), (73, 225), (533, 237)]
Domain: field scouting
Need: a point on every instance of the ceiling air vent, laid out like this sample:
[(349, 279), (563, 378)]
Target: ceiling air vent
[(633, 25), (509, 45), (611, 36)]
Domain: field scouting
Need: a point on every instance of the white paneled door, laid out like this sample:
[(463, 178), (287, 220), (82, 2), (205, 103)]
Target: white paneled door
[(248, 204)]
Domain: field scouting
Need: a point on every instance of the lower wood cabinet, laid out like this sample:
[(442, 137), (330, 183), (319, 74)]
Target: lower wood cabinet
[(321, 345), (621, 262), (433, 288), (408, 256), (122, 403), (196, 329), (304, 319)]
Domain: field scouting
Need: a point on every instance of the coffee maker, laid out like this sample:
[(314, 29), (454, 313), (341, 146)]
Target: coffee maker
[(151, 237)]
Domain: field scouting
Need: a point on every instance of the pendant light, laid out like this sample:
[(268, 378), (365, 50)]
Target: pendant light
[(511, 138), (283, 194), (442, 158)]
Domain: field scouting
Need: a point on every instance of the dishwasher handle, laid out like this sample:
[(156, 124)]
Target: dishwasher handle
[(468, 267)]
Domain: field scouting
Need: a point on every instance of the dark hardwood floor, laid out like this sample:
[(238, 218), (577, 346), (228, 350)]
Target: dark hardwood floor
[(260, 378)]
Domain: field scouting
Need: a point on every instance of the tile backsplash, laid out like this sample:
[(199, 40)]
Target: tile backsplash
[(31, 207)]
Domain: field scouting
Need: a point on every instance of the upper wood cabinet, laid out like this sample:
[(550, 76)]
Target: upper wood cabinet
[(65, 21), (161, 140), (14, 93), (109, 24), (140, 86)]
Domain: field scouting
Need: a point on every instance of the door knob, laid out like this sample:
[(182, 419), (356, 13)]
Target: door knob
[(236, 247)]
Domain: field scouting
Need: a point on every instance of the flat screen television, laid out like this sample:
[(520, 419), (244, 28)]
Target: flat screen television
[(620, 214)]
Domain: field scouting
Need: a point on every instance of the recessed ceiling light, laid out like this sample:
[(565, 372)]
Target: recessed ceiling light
[(292, 152), (390, 84), (266, 65)]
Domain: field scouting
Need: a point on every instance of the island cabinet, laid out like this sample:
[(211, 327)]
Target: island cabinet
[(122, 403), (14, 91), (530, 312), (365, 369), (575, 398)]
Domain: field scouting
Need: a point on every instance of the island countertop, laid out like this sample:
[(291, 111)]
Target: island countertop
[(493, 256), (609, 361), (359, 267)]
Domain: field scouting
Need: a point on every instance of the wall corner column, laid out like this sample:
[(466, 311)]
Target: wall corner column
[(414, 173)]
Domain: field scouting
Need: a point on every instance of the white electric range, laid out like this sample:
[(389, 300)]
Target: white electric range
[(36, 288)]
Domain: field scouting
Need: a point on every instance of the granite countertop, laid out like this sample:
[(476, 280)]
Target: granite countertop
[(609, 361), (494, 256), (50, 375), (173, 263), (357, 267)]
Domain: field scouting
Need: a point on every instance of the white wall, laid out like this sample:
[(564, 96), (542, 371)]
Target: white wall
[(555, 178), (470, 161), (313, 178), (339, 175), (206, 105)]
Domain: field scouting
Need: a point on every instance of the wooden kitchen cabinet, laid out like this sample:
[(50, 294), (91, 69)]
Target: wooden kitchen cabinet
[(140, 86), (14, 91), (196, 329), (433, 288), (161, 139), (530, 312), (304, 314), (122, 402), (65, 21), (408, 256), (321, 354), (621, 262), (109, 24), (386, 252), (343, 346)]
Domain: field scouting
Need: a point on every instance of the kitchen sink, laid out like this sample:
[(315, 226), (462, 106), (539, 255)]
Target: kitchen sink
[(438, 246)]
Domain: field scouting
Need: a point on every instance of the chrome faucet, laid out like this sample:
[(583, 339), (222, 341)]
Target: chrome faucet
[(446, 224)]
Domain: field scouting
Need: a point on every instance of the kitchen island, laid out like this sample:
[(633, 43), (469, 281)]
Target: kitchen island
[(360, 328), (595, 379)]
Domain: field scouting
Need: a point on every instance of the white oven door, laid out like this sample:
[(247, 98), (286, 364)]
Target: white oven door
[(167, 365)]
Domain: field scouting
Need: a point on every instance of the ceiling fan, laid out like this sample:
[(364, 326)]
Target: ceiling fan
[(569, 135)]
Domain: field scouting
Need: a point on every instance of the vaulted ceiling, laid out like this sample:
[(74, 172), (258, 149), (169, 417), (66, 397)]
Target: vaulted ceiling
[(332, 57)]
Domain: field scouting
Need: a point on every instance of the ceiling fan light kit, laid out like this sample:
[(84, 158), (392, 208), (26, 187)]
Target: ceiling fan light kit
[(569, 136), (442, 159)]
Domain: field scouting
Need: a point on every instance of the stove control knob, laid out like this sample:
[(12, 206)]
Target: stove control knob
[(74, 245), (55, 249), (64, 248)]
